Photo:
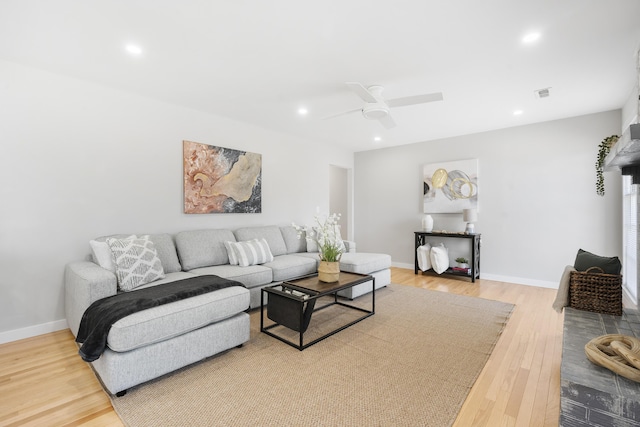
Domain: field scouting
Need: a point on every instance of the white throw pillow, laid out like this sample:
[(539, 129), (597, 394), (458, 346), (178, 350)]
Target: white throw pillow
[(424, 257), (102, 253), (233, 258), (439, 258), (136, 261), (252, 252)]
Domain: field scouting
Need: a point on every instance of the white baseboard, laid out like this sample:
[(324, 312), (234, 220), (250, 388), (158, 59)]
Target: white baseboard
[(402, 265), (520, 281), (32, 331), (499, 278)]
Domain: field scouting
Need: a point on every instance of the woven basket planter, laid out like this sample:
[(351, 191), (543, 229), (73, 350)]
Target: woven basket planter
[(596, 291), (329, 272)]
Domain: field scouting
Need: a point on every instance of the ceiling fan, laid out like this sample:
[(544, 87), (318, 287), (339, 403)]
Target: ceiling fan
[(378, 108)]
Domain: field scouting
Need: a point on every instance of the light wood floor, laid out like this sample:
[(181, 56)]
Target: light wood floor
[(44, 382)]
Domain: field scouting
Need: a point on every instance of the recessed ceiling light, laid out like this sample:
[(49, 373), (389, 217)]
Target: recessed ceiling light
[(303, 111), (517, 113), (530, 38), (377, 139), (133, 49)]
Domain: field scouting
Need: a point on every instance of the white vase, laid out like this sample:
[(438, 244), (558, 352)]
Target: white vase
[(427, 223)]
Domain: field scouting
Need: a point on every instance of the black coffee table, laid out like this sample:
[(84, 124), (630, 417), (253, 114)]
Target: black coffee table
[(292, 303)]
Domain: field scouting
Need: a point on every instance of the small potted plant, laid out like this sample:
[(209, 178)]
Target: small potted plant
[(326, 236), (462, 262)]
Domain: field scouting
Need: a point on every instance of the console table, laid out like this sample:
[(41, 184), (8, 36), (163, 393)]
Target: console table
[(474, 240)]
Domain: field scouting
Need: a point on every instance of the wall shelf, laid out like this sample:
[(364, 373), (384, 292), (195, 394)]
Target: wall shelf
[(625, 152)]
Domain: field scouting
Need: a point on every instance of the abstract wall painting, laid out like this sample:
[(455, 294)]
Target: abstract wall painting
[(221, 180), (450, 187)]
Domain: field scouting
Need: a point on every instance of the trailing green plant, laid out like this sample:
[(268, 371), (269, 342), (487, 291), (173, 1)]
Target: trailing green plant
[(462, 260), (603, 150)]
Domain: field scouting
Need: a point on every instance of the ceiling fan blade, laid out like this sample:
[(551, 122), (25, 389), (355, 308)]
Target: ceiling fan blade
[(344, 113), (387, 121), (416, 99), (361, 91)]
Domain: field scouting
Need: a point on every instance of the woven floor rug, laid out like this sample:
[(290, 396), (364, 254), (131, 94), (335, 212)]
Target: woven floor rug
[(411, 364)]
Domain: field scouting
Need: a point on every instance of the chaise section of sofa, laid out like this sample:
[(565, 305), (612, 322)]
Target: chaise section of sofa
[(377, 265), (161, 339), (120, 371)]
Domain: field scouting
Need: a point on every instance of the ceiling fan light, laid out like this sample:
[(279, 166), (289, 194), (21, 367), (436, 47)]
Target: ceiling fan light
[(375, 111)]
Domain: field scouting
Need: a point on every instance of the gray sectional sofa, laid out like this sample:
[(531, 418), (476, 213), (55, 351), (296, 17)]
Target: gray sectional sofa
[(145, 345)]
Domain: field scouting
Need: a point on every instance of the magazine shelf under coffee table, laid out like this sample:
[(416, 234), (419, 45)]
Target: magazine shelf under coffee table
[(291, 304)]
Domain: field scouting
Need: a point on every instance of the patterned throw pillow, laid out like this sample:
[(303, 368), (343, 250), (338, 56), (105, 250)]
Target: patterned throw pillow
[(136, 261), (252, 252)]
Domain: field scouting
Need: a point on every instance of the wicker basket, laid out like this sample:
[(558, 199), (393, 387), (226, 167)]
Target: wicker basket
[(596, 291)]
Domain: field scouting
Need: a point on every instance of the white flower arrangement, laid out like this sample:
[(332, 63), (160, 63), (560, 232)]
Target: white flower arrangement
[(326, 235)]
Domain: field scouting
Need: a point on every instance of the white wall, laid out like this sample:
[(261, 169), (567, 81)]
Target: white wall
[(79, 160), (339, 198), (537, 199)]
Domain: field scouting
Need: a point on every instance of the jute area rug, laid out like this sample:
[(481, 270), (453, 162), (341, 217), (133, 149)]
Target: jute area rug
[(411, 364)]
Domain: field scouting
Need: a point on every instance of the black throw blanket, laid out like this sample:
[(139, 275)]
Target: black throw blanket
[(101, 315)]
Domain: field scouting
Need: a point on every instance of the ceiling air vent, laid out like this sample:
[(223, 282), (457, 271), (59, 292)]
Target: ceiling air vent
[(542, 93)]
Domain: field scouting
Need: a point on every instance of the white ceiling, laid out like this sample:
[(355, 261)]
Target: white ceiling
[(258, 61)]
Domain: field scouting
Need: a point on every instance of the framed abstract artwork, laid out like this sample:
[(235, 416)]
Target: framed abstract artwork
[(221, 180), (450, 187)]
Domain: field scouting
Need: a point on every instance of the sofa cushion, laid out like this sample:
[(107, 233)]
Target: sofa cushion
[(168, 277), (364, 263), (271, 234), (166, 252), (312, 243), (252, 252), (310, 255), (203, 248), (252, 276), (294, 242), (287, 267), (166, 321), (136, 261)]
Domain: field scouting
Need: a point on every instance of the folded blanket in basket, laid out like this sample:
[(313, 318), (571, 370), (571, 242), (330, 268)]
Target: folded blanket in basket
[(562, 297)]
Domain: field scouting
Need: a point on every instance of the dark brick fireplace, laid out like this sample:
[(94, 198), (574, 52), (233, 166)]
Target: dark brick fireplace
[(591, 395)]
